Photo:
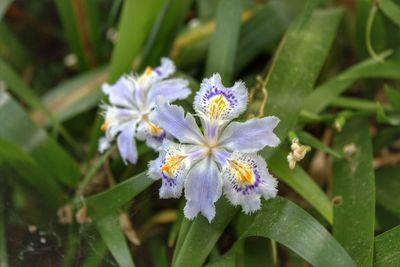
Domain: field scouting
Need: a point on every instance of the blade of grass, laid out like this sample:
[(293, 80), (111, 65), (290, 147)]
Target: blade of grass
[(302, 183), (354, 192), (288, 224), (137, 16), (224, 41), (80, 24), (324, 94), (164, 30), (391, 10), (18, 129), (32, 176), (11, 49), (112, 235), (105, 202), (393, 95), (387, 248), (202, 236), (264, 29), (288, 80), (388, 188), (72, 97), (19, 88), (98, 253)]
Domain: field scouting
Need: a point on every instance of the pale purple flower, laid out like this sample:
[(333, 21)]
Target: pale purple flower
[(132, 99), (221, 158)]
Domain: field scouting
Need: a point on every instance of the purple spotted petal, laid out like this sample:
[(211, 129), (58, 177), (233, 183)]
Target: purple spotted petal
[(172, 119), (250, 136), (248, 193), (126, 143), (217, 102), (202, 189), (173, 180), (121, 93), (171, 90)]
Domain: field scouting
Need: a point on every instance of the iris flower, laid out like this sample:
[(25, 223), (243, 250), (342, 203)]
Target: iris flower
[(221, 158), (132, 99)]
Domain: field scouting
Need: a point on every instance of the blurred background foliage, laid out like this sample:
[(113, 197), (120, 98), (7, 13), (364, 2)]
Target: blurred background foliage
[(329, 70)]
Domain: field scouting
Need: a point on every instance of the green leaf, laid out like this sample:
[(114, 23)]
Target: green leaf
[(112, 235), (202, 236), (314, 142), (382, 117), (289, 81), (288, 224), (393, 95), (387, 69), (388, 188), (207, 8), (80, 23), (136, 20), (302, 183), (324, 94), (387, 248), (391, 10), (354, 192), (164, 30), (264, 29), (222, 51), (72, 97), (97, 254), (18, 129), (308, 9), (19, 88), (11, 49), (108, 201), (33, 176)]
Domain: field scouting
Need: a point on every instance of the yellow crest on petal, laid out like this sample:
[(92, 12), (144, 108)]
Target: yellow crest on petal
[(242, 171)]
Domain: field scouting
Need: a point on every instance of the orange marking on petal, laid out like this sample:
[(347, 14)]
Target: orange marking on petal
[(104, 126), (148, 71), (242, 171), (172, 163)]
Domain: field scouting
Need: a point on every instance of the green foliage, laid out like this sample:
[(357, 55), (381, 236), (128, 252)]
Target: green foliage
[(328, 71)]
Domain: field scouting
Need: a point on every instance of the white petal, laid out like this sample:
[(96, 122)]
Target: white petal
[(217, 102), (246, 179)]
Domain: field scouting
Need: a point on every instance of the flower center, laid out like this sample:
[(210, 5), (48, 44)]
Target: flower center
[(153, 129), (242, 171)]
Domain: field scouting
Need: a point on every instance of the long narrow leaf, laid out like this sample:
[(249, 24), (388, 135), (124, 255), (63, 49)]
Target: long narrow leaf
[(302, 183), (387, 248), (354, 191), (112, 235), (21, 131), (222, 51)]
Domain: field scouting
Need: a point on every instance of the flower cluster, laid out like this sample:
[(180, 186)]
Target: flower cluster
[(220, 157), (132, 99)]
